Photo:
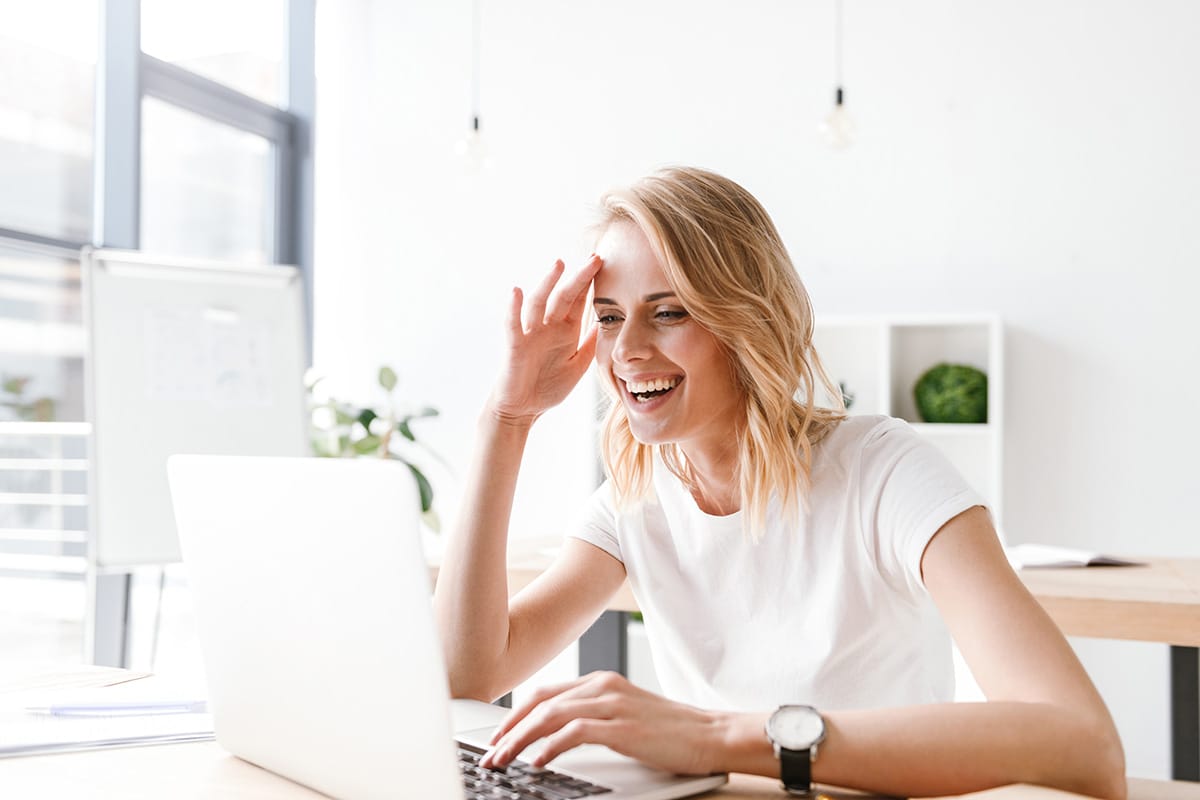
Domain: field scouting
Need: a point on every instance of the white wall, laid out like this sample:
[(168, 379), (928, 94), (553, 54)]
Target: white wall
[(1039, 160)]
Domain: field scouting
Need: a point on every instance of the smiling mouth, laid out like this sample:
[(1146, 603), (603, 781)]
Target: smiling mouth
[(645, 391)]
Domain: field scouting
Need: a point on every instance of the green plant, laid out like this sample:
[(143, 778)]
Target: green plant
[(40, 409), (344, 430), (952, 393)]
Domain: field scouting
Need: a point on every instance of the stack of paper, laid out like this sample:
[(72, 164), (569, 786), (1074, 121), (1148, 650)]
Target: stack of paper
[(26, 732), (59, 710)]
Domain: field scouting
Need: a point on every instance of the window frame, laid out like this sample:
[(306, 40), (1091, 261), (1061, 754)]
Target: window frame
[(126, 75)]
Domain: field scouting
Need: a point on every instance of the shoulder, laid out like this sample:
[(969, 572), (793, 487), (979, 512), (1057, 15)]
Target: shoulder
[(859, 435)]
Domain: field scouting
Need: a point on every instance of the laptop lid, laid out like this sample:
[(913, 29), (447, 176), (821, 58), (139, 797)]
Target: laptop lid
[(313, 607), (299, 567)]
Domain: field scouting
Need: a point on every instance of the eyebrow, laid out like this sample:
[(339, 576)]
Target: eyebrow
[(650, 298)]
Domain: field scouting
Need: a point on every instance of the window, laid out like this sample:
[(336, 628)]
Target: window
[(207, 188), (201, 160), (47, 86), (247, 56)]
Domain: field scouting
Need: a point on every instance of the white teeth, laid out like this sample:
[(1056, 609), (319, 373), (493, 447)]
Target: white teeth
[(656, 385)]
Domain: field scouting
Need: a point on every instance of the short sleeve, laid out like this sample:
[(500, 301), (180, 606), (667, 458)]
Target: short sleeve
[(597, 523), (908, 491)]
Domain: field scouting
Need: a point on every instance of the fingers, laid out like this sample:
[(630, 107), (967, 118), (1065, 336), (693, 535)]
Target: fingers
[(567, 303), (541, 694), (561, 719), (587, 347), (513, 321), (537, 302), (577, 732)]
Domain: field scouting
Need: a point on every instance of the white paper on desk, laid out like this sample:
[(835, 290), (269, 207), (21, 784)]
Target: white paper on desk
[(1045, 556), (23, 733), (57, 677)]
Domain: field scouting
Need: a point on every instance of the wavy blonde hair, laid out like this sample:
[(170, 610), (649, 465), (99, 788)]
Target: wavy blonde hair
[(725, 261)]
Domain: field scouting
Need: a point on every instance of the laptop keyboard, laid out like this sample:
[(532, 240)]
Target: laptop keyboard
[(518, 781)]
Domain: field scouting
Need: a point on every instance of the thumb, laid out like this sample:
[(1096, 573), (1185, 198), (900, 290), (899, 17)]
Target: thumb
[(587, 347)]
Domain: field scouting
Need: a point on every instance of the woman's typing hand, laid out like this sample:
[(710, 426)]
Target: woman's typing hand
[(605, 708), (546, 356)]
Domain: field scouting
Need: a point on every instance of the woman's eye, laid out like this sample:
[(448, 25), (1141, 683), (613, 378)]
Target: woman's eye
[(607, 320), (670, 315)]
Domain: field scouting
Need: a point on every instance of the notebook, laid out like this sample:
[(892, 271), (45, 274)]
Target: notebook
[(313, 609)]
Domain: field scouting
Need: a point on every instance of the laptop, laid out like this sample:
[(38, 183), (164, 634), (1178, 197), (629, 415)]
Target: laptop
[(313, 608)]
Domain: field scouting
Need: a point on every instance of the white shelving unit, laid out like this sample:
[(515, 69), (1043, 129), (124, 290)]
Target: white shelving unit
[(880, 358)]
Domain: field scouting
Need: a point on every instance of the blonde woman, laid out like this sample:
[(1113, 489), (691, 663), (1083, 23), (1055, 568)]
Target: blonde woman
[(791, 562)]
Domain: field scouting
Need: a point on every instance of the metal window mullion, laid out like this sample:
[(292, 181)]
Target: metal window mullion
[(40, 245), (208, 98), (297, 181), (116, 218)]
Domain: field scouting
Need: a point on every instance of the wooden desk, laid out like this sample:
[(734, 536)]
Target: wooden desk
[(1158, 602), (204, 771)]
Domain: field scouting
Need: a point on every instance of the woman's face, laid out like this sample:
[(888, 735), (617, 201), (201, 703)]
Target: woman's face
[(672, 375)]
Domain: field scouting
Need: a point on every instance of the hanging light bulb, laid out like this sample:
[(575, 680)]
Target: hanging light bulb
[(471, 149), (838, 126)]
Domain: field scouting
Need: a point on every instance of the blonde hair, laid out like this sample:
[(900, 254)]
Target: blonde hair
[(725, 261)]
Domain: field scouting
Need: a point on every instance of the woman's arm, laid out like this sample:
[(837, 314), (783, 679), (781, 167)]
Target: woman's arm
[(488, 648), (1044, 723)]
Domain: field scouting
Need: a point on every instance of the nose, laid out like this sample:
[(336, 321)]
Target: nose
[(633, 342)]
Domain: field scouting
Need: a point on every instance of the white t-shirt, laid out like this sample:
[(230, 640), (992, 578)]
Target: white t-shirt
[(832, 612)]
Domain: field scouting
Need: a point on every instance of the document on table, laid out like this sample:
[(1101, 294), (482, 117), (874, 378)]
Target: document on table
[(1027, 556), (51, 714), (24, 732)]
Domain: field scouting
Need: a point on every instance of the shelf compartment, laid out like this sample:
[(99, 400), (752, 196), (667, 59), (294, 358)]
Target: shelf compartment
[(917, 347)]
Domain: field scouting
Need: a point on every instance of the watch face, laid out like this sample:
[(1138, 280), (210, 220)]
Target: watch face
[(796, 727)]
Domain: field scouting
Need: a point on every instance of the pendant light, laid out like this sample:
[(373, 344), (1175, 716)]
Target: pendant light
[(838, 127), (472, 149)]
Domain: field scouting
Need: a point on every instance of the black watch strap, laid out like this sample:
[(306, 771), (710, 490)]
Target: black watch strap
[(795, 770)]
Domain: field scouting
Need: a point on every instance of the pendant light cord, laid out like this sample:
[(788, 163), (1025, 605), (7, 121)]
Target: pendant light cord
[(476, 40), (837, 50)]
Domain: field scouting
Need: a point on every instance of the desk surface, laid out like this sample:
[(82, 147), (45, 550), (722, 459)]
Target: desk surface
[(1157, 602), (203, 771)]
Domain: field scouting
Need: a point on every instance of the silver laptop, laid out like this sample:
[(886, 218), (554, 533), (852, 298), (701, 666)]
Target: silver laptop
[(312, 601)]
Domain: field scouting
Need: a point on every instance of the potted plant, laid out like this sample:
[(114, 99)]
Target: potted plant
[(345, 430)]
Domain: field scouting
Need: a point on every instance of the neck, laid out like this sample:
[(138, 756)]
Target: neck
[(714, 471)]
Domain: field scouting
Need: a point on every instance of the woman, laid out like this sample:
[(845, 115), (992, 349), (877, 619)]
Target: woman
[(783, 553)]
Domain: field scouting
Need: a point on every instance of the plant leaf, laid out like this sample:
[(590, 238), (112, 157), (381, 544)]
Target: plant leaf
[(367, 445), (387, 378), (425, 487), (405, 431), (366, 416)]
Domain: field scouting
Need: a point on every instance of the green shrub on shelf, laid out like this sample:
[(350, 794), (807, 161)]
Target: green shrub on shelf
[(952, 393)]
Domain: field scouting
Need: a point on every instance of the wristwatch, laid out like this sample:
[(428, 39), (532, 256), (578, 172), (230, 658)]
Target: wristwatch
[(795, 732)]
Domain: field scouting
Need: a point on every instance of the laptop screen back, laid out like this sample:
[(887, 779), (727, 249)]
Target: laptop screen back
[(313, 608)]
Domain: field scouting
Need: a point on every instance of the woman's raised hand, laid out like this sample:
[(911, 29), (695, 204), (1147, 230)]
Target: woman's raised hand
[(546, 356)]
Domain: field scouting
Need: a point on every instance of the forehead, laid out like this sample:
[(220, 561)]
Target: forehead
[(631, 268)]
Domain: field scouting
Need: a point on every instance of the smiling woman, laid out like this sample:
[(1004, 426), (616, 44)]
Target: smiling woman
[(786, 557)]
